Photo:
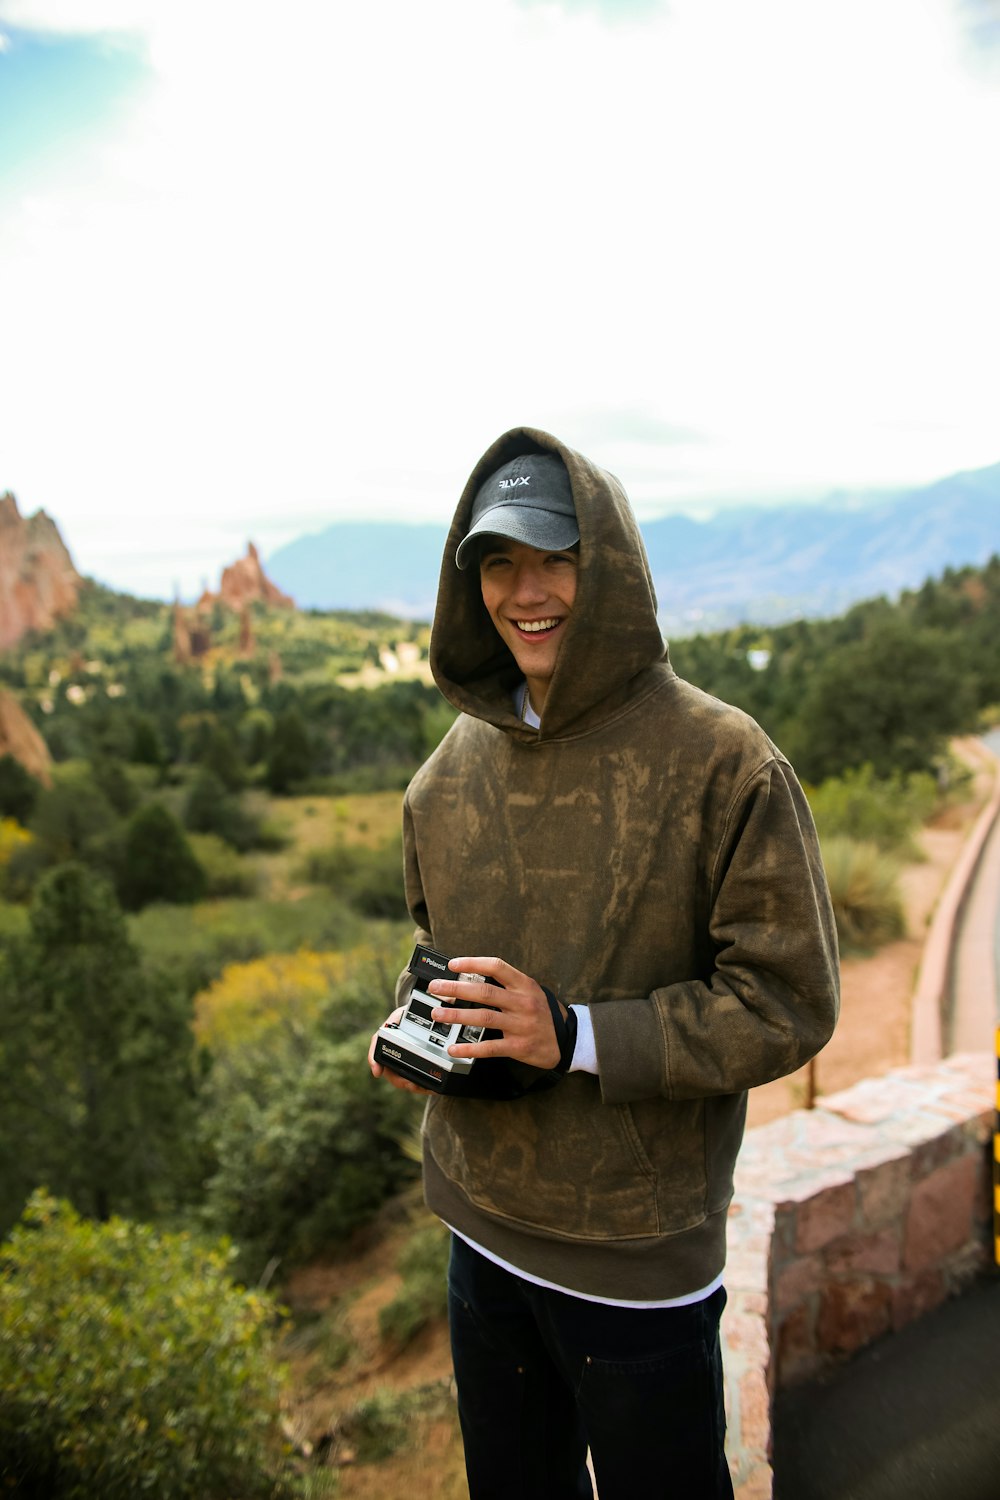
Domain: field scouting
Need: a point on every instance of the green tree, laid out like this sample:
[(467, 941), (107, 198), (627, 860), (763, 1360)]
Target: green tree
[(158, 863), (889, 700), (147, 747), (223, 758), (290, 756), (18, 790), (209, 809), (72, 820), (96, 1058), (111, 777), (256, 728)]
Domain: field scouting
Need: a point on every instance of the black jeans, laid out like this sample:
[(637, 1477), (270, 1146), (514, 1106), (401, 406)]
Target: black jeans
[(542, 1375)]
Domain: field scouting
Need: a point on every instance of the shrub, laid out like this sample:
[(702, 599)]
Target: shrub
[(209, 808), (388, 1420), (131, 1364), (864, 888), (13, 923), (304, 1144), (12, 838), (276, 989), (377, 1426), (886, 811), (196, 942), (370, 880), (226, 872)]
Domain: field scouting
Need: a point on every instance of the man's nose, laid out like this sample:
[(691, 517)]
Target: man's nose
[(529, 584)]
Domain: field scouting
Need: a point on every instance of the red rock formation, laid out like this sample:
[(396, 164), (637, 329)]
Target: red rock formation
[(20, 738), (38, 582), (245, 582)]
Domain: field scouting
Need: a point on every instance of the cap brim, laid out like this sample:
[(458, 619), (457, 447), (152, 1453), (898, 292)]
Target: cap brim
[(545, 529)]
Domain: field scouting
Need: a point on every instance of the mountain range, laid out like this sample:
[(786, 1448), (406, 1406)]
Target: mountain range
[(744, 565)]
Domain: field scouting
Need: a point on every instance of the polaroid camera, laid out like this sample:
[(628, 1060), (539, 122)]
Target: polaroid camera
[(417, 1047)]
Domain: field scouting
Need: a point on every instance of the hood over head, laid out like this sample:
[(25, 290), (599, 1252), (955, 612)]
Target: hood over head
[(612, 635)]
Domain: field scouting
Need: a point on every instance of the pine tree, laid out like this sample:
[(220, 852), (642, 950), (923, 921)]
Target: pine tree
[(158, 863), (18, 790), (96, 1059), (290, 757)]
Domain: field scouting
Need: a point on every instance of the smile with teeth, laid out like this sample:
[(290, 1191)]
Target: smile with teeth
[(533, 626)]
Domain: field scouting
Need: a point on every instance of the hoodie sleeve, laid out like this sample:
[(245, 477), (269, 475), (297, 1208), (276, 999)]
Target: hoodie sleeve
[(773, 998)]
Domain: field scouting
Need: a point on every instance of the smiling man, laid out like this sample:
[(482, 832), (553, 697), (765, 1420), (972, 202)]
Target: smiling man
[(526, 541), (633, 865)]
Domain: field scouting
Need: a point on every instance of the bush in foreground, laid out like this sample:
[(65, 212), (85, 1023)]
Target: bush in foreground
[(130, 1364)]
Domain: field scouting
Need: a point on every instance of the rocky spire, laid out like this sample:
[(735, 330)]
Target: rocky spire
[(38, 582)]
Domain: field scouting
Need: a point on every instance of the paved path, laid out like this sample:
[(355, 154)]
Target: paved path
[(913, 1417), (976, 991)]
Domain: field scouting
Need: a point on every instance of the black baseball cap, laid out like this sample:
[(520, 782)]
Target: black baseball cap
[(528, 500)]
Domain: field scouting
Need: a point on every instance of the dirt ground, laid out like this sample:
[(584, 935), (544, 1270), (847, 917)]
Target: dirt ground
[(873, 1035)]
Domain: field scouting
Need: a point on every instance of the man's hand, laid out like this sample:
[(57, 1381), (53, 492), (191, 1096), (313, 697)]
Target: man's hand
[(403, 1084), (519, 1009)]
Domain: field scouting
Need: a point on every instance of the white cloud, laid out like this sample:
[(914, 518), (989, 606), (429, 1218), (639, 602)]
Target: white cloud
[(338, 249), (80, 17)]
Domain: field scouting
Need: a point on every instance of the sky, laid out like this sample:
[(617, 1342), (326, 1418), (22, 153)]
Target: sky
[(267, 267)]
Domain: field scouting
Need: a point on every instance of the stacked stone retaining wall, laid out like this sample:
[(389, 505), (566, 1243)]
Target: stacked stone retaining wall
[(849, 1221)]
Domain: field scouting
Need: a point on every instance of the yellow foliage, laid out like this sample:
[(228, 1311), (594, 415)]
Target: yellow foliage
[(12, 838), (249, 998)]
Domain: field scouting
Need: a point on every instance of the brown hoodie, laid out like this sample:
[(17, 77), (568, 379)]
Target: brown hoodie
[(647, 852)]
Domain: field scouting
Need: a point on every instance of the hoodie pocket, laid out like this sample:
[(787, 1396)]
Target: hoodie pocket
[(565, 1163)]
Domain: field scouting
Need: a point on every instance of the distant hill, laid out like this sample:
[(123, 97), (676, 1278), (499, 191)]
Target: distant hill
[(363, 565), (763, 564)]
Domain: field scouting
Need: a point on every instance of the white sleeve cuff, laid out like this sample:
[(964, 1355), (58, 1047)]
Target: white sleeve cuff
[(585, 1051)]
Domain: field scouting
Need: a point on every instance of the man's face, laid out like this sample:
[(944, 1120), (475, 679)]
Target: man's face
[(529, 595)]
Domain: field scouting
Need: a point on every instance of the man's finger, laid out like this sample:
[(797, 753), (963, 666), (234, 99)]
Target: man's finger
[(494, 1020), (464, 990), (495, 968)]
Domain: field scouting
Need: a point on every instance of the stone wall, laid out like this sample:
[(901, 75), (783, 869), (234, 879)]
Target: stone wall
[(849, 1221)]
